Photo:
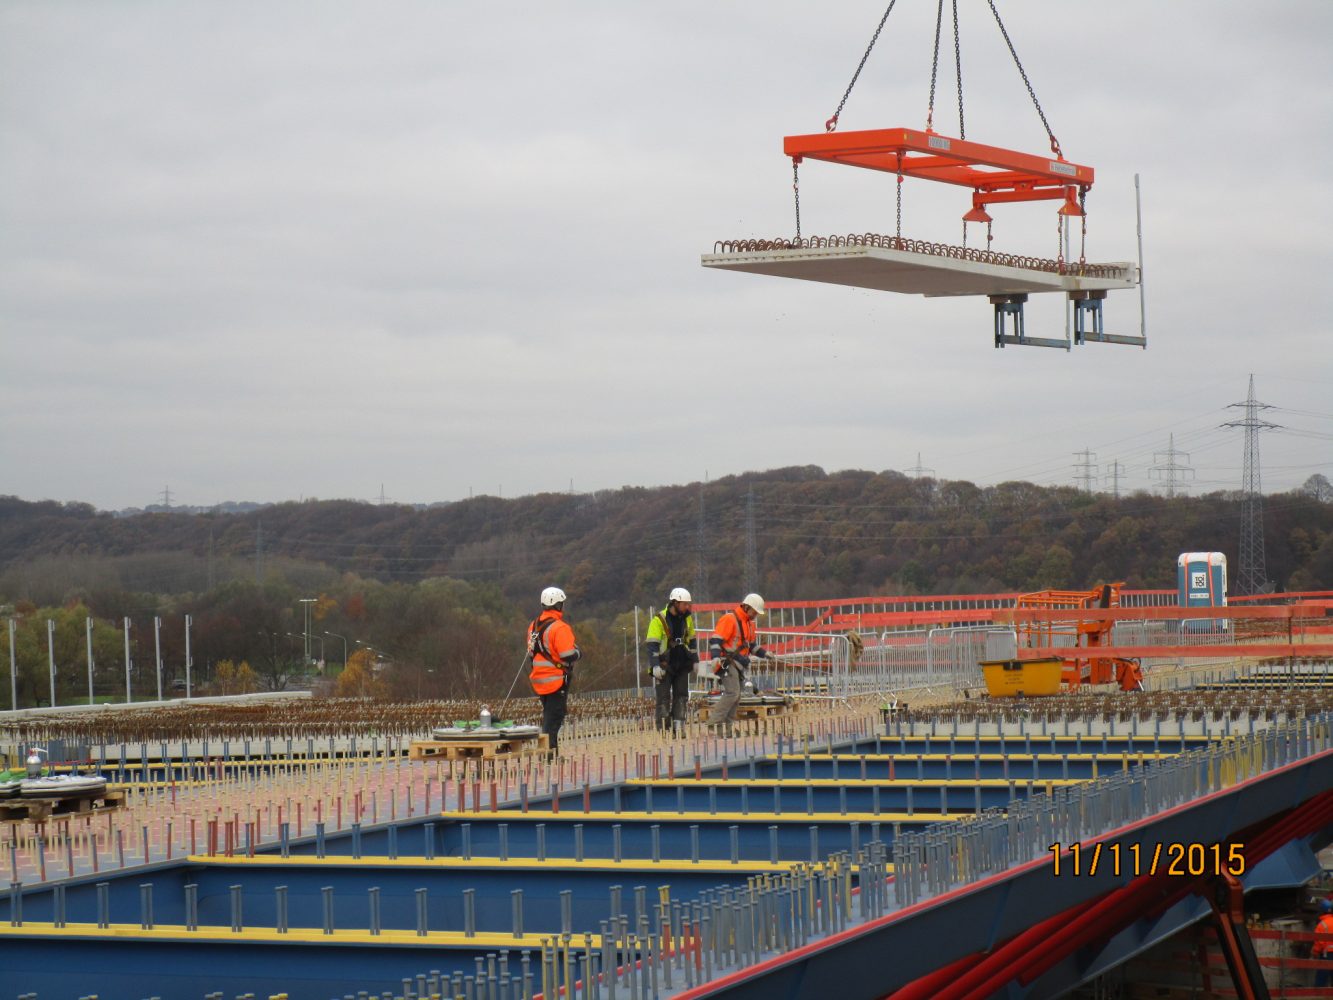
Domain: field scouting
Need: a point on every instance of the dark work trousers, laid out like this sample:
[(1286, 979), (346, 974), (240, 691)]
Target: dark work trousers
[(673, 694), (553, 714)]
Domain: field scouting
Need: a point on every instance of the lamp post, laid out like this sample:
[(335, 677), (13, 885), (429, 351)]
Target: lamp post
[(638, 674), (344, 639), (13, 667), (51, 656), (188, 661), (157, 649), (88, 625), (307, 601), (128, 696)]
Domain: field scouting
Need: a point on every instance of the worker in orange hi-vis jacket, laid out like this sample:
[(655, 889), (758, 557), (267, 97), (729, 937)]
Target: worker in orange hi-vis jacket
[(734, 641), (554, 653), (1323, 949)]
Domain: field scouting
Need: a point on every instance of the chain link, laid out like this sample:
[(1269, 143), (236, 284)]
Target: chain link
[(958, 68), (898, 231), (934, 67), (796, 191), (1083, 236), (832, 123), (1055, 143)]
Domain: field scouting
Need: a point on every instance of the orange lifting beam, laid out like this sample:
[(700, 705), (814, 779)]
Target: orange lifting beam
[(994, 174)]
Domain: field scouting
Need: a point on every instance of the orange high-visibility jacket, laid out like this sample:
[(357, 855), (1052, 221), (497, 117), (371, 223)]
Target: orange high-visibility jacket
[(553, 649), (737, 633), (1322, 949)]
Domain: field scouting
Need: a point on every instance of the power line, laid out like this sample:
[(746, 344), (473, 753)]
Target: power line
[(1171, 474), (1252, 577), (751, 550), (701, 550), (1113, 473), (920, 470), (1088, 469)]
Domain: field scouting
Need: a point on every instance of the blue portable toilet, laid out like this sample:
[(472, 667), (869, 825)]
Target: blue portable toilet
[(1201, 582)]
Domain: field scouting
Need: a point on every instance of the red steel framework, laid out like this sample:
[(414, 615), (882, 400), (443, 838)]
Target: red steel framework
[(1303, 629), (994, 174)]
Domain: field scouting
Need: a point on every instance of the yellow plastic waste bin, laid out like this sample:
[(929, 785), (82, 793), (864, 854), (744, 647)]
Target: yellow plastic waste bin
[(1022, 678)]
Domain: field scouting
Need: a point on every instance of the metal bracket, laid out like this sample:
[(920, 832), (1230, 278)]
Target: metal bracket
[(1012, 306), (1088, 321)]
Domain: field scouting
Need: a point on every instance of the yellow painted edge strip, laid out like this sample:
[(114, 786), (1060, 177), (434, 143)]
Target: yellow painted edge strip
[(297, 935), (662, 816), (587, 864)]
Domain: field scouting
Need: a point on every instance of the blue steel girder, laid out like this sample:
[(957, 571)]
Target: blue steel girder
[(873, 959)]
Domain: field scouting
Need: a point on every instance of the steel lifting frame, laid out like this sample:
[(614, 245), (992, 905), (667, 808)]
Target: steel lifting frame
[(1011, 306), (1088, 320), (995, 175)]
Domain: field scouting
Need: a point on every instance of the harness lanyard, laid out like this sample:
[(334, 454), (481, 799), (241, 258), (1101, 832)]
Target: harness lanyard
[(740, 637), (538, 641), (740, 641), (667, 638)]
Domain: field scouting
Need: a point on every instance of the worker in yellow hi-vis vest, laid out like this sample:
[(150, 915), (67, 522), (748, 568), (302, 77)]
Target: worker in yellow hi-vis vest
[(673, 650)]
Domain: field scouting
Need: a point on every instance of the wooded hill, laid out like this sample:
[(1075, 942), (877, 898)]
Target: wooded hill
[(816, 535), (443, 594)]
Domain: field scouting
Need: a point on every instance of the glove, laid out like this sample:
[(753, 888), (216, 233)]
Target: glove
[(760, 652), (658, 673), (694, 656)]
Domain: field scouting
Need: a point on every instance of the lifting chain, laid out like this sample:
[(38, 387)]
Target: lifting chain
[(832, 123), (1060, 242), (796, 191), (1055, 143), (934, 68), (958, 70), (898, 231), (1083, 236)]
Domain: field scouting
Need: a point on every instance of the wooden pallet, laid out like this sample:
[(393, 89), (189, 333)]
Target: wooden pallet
[(40, 810), (470, 749), (750, 712)]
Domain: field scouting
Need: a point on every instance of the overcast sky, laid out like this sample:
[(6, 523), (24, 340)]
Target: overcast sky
[(271, 250)]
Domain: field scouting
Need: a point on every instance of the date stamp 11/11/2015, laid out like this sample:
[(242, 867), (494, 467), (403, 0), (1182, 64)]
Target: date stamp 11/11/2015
[(1177, 858)]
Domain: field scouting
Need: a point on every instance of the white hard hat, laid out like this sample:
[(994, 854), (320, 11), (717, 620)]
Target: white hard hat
[(552, 596), (679, 594), (755, 602)]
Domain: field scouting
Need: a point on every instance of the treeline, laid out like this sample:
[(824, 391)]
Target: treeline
[(815, 535), (443, 593)]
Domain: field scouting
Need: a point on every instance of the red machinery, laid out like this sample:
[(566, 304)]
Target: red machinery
[(1088, 635)]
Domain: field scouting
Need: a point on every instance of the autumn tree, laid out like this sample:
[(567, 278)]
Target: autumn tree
[(360, 680)]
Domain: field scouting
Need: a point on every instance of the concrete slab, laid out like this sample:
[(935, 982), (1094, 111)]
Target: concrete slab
[(912, 273)]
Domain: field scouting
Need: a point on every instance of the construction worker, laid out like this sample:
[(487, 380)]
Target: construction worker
[(673, 650), (734, 641), (1323, 950), (554, 653)]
